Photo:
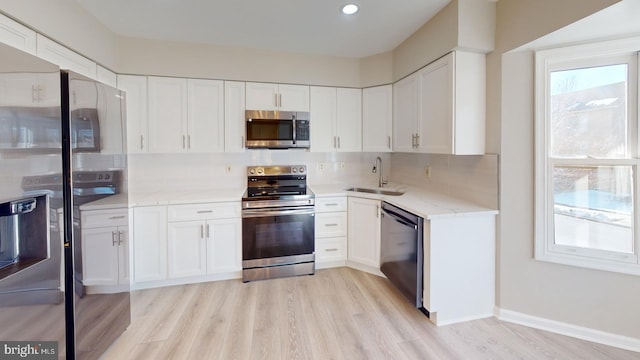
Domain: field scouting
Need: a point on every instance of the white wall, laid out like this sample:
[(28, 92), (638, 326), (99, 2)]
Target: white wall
[(593, 299), (68, 23)]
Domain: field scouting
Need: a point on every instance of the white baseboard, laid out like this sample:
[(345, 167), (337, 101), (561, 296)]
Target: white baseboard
[(597, 336)]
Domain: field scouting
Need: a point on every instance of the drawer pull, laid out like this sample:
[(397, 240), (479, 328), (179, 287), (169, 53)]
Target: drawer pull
[(331, 250), (205, 211), (331, 204), (330, 224), (116, 217)]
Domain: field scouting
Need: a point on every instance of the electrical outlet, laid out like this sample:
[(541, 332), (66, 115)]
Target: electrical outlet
[(227, 169), (427, 171), (320, 167)]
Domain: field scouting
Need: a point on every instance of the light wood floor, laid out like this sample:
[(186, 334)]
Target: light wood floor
[(337, 313)]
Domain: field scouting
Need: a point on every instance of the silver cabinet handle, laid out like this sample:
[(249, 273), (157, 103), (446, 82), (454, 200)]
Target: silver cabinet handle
[(334, 142), (113, 238), (338, 142), (184, 140), (328, 225), (389, 142), (188, 141), (116, 217), (413, 141), (34, 93), (201, 231), (208, 231), (276, 99), (417, 141), (120, 236), (331, 204), (279, 100), (332, 249), (204, 211), (141, 142)]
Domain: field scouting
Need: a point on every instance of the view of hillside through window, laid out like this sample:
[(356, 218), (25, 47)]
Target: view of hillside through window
[(593, 201)]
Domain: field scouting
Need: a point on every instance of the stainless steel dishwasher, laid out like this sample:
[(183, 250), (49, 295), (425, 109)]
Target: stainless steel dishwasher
[(401, 254)]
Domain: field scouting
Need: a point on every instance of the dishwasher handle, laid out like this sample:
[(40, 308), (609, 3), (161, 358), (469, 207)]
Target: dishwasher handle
[(399, 219)]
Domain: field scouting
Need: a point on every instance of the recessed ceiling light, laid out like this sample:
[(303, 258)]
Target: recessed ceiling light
[(350, 9)]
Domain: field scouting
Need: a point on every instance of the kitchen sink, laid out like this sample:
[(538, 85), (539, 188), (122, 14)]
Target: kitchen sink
[(375, 191)]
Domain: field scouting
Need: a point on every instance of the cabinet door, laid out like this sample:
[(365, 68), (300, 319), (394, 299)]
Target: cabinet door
[(100, 252), (436, 97), (112, 121), (187, 249), (106, 76), (377, 106), (234, 118), (205, 116), (224, 245), (124, 273), (323, 118), (20, 89), (405, 113), (261, 96), (17, 35), (69, 60), (150, 243), (167, 115), (364, 231), (349, 120), (83, 94), (293, 97), (135, 88)]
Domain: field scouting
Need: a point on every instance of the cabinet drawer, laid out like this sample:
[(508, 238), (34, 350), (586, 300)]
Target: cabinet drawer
[(331, 224), (104, 218), (204, 211), (331, 204), (331, 249)]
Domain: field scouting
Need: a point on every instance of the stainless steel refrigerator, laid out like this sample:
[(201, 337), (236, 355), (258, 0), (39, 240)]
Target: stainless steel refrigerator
[(62, 157)]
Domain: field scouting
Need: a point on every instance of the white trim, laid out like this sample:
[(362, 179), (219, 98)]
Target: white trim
[(579, 332)]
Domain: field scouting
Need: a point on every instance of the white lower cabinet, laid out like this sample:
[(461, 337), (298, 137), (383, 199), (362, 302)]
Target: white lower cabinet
[(331, 231), (364, 234), (150, 243), (179, 243), (105, 250)]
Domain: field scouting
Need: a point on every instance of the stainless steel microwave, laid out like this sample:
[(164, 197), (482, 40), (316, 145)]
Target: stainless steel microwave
[(277, 129)]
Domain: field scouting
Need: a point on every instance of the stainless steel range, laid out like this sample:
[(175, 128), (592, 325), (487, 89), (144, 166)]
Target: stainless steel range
[(277, 223)]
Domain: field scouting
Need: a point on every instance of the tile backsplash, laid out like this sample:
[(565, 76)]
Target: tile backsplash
[(474, 178), (470, 177)]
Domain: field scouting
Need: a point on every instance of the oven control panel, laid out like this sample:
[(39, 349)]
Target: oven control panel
[(276, 170)]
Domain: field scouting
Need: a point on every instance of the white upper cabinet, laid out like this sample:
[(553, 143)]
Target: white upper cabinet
[(106, 76), (336, 119), (234, 119), (186, 115), (167, 114), (405, 114), (17, 35), (205, 114), (377, 107), (441, 108), (135, 88), (267, 96), (51, 51), (30, 89)]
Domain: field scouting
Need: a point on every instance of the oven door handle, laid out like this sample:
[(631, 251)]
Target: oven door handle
[(276, 212)]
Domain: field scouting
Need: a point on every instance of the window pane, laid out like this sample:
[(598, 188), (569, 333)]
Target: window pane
[(594, 207), (589, 112)]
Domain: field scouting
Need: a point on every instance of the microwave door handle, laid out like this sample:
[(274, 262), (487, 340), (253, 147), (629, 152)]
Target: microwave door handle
[(294, 129)]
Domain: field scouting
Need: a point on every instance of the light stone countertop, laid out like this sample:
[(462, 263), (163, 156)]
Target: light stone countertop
[(424, 203)]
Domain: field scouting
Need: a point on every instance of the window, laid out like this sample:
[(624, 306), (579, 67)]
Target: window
[(587, 156)]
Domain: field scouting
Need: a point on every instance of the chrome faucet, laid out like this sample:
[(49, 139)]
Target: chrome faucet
[(381, 182)]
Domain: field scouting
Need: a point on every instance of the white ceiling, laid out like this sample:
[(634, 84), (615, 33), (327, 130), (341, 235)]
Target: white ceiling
[(303, 26)]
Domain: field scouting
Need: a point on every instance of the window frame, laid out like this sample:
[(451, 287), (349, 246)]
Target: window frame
[(575, 57)]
